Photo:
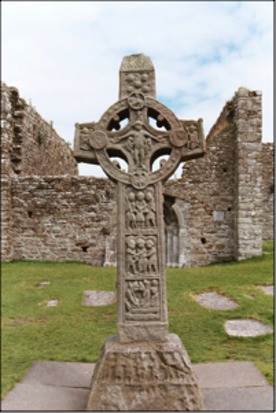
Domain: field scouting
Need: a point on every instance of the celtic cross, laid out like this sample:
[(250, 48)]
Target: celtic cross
[(139, 130)]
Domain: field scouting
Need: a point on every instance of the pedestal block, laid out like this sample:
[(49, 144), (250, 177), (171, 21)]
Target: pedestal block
[(144, 376)]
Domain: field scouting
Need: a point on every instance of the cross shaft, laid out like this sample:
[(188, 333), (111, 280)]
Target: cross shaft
[(142, 309)]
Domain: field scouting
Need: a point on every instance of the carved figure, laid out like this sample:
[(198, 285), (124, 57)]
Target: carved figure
[(131, 255), (140, 294), (140, 209), (139, 144), (150, 211), (141, 255), (142, 310), (130, 214), (85, 145), (132, 299), (154, 291), (151, 256), (193, 139)]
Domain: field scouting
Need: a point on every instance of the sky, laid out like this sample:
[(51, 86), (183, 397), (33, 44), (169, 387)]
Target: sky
[(64, 56)]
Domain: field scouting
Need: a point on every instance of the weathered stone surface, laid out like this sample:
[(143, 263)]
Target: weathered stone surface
[(35, 146), (142, 309), (231, 188), (246, 328), (99, 298), (52, 303), (36, 196), (144, 376), (267, 191), (225, 387), (43, 284), (61, 218), (215, 301), (268, 289)]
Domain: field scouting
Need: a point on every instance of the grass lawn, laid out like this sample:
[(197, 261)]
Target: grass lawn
[(73, 332)]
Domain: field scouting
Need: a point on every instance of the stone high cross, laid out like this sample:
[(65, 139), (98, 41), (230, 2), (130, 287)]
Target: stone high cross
[(126, 131)]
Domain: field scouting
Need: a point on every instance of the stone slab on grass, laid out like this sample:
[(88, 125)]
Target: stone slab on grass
[(246, 328), (267, 289), (52, 303), (215, 301), (43, 284), (55, 373), (99, 298)]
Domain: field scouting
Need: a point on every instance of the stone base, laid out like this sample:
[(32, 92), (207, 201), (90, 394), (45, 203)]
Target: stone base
[(144, 376)]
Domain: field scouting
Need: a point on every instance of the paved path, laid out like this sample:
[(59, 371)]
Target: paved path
[(52, 385)]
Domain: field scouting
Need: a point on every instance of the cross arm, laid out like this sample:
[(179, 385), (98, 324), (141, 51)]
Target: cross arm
[(83, 151), (193, 134)]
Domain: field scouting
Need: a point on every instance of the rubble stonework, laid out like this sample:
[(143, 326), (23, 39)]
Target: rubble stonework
[(31, 145), (267, 157), (61, 218), (207, 189), (248, 174), (227, 188)]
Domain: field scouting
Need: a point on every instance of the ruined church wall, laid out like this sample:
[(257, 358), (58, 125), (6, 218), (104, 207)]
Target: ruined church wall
[(6, 173), (61, 218), (205, 196), (220, 196), (248, 173), (29, 146), (32, 145), (267, 161), (223, 203)]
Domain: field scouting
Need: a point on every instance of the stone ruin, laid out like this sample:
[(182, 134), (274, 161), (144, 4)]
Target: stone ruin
[(144, 367), (50, 213)]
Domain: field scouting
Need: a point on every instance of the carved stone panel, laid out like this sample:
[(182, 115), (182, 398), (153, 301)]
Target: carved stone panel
[(141, 272), (144, 376), (146, 369)]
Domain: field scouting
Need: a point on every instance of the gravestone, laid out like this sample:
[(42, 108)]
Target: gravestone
[(143, 367)]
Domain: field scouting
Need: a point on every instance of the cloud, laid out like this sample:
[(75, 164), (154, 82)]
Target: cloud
[(65, 56)]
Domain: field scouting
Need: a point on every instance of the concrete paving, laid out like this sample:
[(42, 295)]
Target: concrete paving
[(51, 385)]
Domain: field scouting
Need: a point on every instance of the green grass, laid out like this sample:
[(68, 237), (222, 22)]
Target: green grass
[(72, 332)]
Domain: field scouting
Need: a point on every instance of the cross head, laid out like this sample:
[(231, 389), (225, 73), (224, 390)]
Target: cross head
[(139, 129)]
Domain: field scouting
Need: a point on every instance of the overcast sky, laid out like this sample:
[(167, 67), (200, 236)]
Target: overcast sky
[(64, 56)]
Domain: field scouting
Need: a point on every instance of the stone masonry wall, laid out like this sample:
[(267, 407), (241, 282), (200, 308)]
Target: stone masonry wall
[(220, 195), (61, 218), (31, 144), (207, 192), (6, 173), (267, 158), (248, 173), (219, 210)]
